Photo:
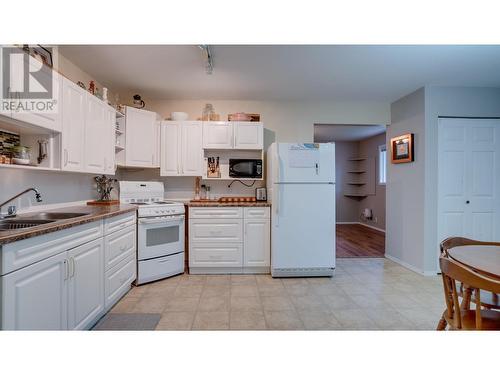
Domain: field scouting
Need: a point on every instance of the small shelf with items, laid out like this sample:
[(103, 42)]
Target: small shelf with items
[(357, 177)]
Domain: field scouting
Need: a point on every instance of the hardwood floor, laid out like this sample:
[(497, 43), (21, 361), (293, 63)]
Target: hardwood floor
[(355, 240)]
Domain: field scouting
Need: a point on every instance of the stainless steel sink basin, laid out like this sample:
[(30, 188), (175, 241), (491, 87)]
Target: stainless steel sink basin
[(21, 223), (56, 215)]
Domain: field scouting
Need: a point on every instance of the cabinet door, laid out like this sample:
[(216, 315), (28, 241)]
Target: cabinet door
[(191, 148), (248, 135), (170, 148), (73, 115), (96, 135), (257, 244), (217, 135), (86, 284), (140, 138), (51, 121), (110, 141), (35, 297)]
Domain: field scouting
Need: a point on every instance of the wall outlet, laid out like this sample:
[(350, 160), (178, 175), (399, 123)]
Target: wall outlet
[(375, 219)]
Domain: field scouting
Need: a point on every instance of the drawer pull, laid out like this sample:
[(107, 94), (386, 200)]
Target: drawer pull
[(123, 248)]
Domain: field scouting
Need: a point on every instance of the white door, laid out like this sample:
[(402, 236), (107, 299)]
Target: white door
[(35, 297), (170, 148), (140, 138), (257, 246), (248, 135), (217, 135), (86, 284), (305, 162), (73, 115), (303, 225), (96, 135), (51, 121), (469, 179), (191, 148)]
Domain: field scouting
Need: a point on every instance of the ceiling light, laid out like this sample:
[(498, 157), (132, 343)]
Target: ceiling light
[(207, 54)]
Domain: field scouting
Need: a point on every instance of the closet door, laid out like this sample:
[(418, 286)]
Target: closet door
[(469, 179)]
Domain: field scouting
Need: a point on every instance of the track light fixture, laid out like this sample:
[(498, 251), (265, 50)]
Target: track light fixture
[(207, 54)]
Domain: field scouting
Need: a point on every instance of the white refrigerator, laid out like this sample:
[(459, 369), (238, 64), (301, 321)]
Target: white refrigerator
[(301, 188)]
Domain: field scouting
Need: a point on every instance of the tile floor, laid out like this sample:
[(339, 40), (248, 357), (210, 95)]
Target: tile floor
[(364, 294)]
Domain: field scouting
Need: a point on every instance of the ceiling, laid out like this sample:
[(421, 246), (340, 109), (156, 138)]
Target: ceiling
[(340, 132), (292, 72)]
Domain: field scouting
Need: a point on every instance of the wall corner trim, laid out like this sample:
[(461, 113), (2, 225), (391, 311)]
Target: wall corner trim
[(410, 267)]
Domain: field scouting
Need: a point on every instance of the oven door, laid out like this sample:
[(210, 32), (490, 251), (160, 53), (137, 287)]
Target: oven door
[(159, 236)]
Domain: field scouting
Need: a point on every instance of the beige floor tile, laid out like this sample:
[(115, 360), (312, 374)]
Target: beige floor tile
[(267, 280), (247, 320), (269, 290), (216, 290), (389, 319), (218, 280), (339, 302), (182, 304), (368, 300), (319, 280), (294, 281), (298, 289), (244, 290), (161, 290), (354, 319), (214, 320), (248, 303), (193, 280), (137, 291), (176, 320), (318, 320), (283, 320), (326, 289), (243, 280), (422, 318), (310, 302), (218, 303), (151, 304), (125, 305), (189, 290), (400, 300), (276, 303)]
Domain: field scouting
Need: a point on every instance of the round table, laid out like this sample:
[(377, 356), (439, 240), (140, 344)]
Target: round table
[(483, 259)]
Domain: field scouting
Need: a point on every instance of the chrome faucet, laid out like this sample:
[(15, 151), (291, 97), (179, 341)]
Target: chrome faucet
[(12, 210)]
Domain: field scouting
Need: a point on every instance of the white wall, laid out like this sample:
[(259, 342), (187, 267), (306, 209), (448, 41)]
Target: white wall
[(405, 188)]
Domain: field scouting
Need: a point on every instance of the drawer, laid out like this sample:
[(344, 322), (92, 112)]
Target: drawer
[(119, 245), (216, 230), (256, 212), (22, 253), (215, 212), (159, 268), (118, 281), (215, 254), (115, 223)]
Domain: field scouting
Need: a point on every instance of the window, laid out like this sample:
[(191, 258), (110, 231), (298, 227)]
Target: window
[(382, 164)]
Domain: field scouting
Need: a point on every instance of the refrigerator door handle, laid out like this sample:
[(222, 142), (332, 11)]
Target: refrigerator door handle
[(277, 204)]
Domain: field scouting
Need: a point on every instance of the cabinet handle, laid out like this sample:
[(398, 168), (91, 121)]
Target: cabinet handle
[(72, 264), (123, 248), (65, 157)]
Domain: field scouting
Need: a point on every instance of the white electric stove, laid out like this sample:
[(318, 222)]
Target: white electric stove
[(160, 230)]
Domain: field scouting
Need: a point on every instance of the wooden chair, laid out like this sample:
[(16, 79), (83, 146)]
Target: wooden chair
[(488, 300), (456, 316)]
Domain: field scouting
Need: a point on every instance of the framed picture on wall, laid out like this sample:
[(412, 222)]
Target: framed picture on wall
[(402, 149)]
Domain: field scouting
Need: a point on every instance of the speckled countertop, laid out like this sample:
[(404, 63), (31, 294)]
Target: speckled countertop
[(93, 213), (228, 204)]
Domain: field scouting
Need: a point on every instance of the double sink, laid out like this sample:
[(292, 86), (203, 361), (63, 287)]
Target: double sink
[(29, 221)]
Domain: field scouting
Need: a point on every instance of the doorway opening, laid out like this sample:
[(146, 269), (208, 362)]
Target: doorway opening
[(360, 178)]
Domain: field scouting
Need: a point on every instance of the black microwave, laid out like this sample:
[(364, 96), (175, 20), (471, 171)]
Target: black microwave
[(245, 168)]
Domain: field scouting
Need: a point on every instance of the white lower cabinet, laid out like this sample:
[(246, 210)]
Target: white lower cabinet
[(86, 284), (229, 240), (36, 297), (73, 288)]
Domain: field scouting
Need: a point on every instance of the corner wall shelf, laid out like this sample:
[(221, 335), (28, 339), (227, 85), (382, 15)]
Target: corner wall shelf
[(356, 183), (356, 159), (356, 171)]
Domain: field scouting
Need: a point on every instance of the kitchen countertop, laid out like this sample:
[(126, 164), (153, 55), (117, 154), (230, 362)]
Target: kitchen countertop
[(94, 213), (228, 204)]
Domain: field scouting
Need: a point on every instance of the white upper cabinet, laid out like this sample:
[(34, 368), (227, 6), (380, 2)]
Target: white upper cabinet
[(51, 121), (181, 148), (217, 135), (73, 115), (248, 135), (96, 135), (141, 138)]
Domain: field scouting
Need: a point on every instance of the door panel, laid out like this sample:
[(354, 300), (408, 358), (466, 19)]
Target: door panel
[(140, 140), (96, 135), (191, 149), (73, 124), (170, 142), (35, 297), (257, 251), (469, 179), (86, 284), (248, 135), (217, 135)]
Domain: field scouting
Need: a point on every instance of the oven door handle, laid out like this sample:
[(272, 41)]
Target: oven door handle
[(161, 220)]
